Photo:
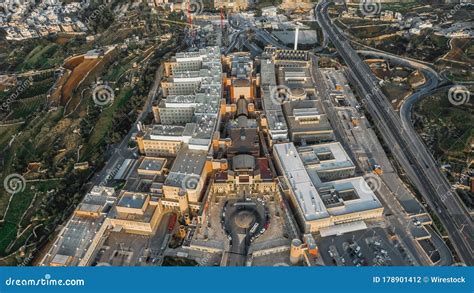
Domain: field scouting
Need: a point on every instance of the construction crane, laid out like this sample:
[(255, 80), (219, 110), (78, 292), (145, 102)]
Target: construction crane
[(222, 19), (190, 22)]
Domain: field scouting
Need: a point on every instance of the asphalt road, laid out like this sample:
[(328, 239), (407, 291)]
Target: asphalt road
[(432, 82), (240, 217), (406, 146), (122, 151), (398, 220)]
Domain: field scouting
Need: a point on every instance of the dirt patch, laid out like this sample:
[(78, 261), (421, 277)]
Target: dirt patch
[(72, 62), (458, 49), (79, 73)]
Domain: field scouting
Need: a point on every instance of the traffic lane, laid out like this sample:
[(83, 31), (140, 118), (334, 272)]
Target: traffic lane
[(375, 92)]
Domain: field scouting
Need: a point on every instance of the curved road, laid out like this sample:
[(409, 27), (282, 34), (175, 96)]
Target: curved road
[(432, 82), (406, 146)]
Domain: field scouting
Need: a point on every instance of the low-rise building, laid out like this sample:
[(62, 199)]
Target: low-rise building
[(235, 5), (320, 204), (152, 166), (136, 213), (329, 160), (307, 121), (187, 176), (246, 170), (79, 237)]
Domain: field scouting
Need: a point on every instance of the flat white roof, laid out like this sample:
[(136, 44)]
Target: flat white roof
[(342, 228), (317, 156), (307, 196), (311, 194), (367, 199)]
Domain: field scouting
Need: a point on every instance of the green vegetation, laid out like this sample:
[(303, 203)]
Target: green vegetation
[(24, 108), (438, 225), (171, 261), (404, 7), (18, 206), (265, 3), (448, 132), (53, 141), (105, 122), (450, 126), (42, 57)]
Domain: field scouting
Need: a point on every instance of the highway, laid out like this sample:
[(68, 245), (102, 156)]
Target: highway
[(242, 26), (432, 83), (398, 220), (405, 145)]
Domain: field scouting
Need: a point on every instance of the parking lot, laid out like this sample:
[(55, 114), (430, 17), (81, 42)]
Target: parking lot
[(370, 247), (212, 228)]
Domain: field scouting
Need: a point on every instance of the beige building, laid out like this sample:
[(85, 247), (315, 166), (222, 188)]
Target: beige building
[(158, 148), (186, 180), (320, 204), (235, 5), (245, 171), (160, 141), (241, 81), (307, 121), (152, 166), (301, 5), (136, 213)]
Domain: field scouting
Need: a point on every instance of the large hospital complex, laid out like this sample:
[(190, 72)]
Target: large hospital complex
[(224, 127)]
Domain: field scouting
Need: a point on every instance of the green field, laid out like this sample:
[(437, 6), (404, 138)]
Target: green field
[(451, 125), (105, 121), (42, 57), (18, 206), (22, 108)]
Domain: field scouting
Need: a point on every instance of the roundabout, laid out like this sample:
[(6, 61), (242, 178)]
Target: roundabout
[(243, 220)]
